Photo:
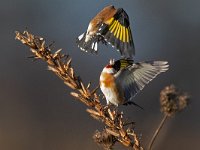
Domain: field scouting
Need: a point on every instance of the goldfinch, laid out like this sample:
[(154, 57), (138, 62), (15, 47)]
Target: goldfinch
[(111, 26), (121, 80)]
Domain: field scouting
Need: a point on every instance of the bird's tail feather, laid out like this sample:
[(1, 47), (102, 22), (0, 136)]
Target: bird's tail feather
[(89, 46)]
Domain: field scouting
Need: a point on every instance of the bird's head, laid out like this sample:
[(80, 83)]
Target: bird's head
[(92, 29), (110, 67)]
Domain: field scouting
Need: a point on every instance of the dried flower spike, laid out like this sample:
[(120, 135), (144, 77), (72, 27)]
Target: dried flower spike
[(61, 65)]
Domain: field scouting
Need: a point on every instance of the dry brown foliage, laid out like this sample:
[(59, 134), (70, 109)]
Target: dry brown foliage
[(117, 129)]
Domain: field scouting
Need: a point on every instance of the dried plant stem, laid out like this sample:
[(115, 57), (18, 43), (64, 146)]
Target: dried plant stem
[(157, 131), (116, 128)]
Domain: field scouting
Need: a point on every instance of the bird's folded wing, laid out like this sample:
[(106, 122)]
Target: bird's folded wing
[(117, 32), (133, 78)]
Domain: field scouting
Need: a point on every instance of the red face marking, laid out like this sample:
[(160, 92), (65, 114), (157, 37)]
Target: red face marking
[(109, 66)]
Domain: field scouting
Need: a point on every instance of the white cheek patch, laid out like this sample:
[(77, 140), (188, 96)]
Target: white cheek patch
[(108, 70)]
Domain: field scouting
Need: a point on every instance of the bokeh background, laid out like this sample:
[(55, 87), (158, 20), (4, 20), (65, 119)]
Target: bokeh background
[(36, 110)]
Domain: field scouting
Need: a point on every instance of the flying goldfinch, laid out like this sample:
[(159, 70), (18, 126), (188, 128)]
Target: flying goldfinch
[(121, 80), (111, 26)]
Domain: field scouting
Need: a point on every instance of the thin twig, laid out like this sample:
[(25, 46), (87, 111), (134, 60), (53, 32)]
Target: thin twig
[(157, 131)]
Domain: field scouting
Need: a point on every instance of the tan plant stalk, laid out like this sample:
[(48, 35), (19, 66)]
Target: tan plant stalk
[(117, 129), (157, 132)]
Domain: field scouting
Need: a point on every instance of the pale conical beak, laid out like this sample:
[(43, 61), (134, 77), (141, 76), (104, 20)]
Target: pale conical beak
[(112, 61)]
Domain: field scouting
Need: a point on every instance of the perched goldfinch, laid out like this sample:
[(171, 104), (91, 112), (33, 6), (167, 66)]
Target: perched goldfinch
[(111, 26), (121, 80)]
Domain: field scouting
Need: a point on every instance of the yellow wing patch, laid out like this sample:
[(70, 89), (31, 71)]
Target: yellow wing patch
[(116, 29), (119, 31), (124, 63), (109, 21), (113, 26)]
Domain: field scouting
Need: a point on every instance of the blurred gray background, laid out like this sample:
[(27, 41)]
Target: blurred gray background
[(36, 110)]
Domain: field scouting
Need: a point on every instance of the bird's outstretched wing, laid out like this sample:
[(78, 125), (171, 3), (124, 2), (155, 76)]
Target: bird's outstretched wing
[(117, 32), (133, 78)]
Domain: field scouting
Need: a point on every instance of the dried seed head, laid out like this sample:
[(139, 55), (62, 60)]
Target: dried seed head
[(173, 100), (104, 139)]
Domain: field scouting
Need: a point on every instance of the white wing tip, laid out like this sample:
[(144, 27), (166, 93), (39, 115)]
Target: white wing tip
[(81, 36), (83, 49), (96, 46)]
